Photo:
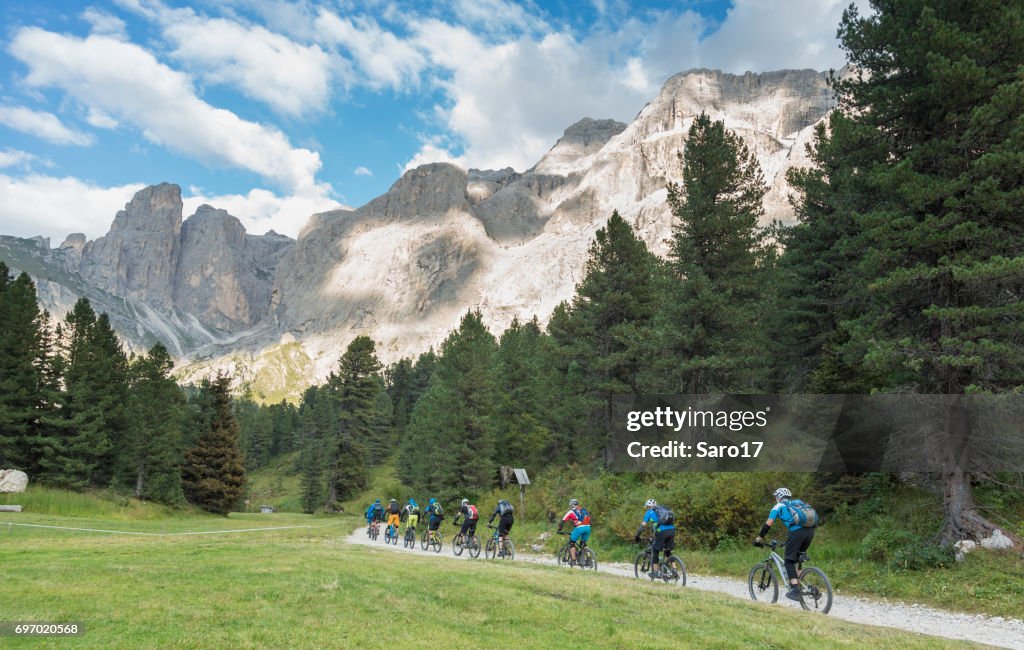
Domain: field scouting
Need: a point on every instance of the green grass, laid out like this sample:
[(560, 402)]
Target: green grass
[(306, 588), (43, 500)]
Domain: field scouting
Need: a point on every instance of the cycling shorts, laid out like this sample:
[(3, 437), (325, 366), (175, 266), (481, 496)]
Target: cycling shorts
[(580, 533), (505, 524), (434, 522), (394, 520), (413, 520)]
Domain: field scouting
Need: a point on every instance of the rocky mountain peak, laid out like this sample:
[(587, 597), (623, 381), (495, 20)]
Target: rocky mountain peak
[(580, 141), (153, 209)]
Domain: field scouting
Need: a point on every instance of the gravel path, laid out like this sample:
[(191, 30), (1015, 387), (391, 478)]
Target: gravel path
[(994, 630)]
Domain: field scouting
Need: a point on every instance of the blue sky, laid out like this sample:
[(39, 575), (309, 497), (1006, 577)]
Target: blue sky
[(275, 110)]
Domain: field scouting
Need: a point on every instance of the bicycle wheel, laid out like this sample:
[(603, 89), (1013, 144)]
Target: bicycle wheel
[(510, 550), (436, 543), (762, 584), (588, 559), (674, 571), (425, 540), (474, 546), (562, 555), (642, 565), (492, 549), (815, 590), (457, 544)]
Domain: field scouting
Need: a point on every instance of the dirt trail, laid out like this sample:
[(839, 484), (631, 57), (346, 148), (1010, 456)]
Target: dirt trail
[(996, 631)]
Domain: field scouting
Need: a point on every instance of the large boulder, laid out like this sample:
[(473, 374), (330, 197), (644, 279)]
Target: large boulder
[(13, 480)]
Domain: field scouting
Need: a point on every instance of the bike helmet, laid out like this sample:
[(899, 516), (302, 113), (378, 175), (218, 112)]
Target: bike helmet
[(465, 502), (573, 503), (433, 501), (651, 503), (782, 493), (412, 501), (394, 501), (376, 500)]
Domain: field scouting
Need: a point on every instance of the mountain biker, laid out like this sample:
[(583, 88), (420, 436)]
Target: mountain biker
[(663, 523), (394, 513), (411, 514), (507, 518), (472, 516), (434, 515), (798, 538), (374, 513), (580, 520)]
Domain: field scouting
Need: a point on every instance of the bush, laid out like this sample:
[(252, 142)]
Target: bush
[(902, 550)]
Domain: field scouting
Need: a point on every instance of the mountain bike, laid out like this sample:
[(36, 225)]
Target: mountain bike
[(391, 535), (585, 557), (374, 530), (815, 588), (409, 541), (431, 538), (463, 542), (497, 548), (670, 569)]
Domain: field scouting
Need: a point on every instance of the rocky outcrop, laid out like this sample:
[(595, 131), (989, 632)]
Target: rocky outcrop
[(138, 257), (13, 480), (224, 276)]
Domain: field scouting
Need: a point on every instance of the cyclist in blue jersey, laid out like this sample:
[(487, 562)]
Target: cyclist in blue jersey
[(662, 521), (798, 539), (374, 513)]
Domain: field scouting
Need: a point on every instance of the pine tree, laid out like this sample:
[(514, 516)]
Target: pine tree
[(715, 321), (448, 448), (213, 477), (153, 452), (939, 87), (23, 354), (310, 462), (600, 336)]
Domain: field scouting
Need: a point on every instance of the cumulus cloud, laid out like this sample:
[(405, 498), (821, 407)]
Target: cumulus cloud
[(17, 158), (42, 125), (362, 171), (128, 83), (292, 78), (104, 23), (385, 60), (54, 207)]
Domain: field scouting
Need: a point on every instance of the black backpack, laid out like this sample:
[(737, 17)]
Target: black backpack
[(665, 516), (505, 508)]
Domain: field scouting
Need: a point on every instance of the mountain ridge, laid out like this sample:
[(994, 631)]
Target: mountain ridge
[(406, 265)]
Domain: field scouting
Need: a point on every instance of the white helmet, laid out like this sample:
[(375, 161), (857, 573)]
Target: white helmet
[(782, 493), (465, 502), (651, 503), (573, 503)]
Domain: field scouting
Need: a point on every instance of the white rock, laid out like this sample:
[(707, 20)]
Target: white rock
[(13, 480), (544, 536), (997, 541), (963, 547)]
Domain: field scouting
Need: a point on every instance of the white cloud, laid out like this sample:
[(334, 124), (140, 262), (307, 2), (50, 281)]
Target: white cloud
[(261, 210), (23, 159), (42, 125), (127, 82), (291, 78), (54, 207), (100, 120), (386, 60), (104, 23), (362, 171)]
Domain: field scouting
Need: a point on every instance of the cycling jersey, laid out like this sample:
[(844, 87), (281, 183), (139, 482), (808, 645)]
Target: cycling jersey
[(374, 513), (574, 518), (781, 512)]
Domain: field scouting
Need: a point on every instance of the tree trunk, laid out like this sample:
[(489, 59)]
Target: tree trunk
[(963, 521), (140, 479)]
